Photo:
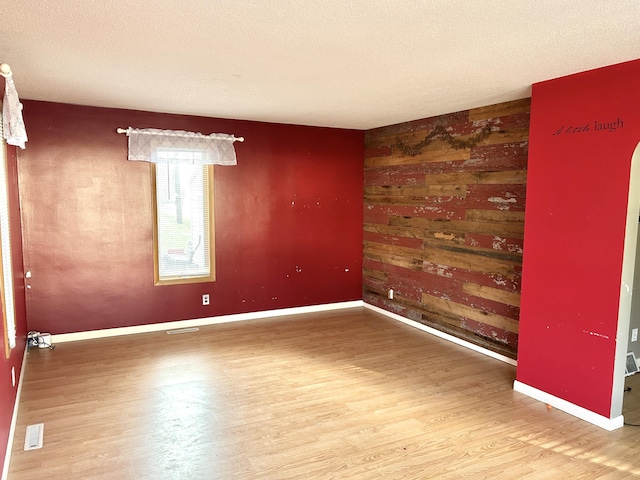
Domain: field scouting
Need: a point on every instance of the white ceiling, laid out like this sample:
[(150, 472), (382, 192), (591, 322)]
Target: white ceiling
[(341, 63)]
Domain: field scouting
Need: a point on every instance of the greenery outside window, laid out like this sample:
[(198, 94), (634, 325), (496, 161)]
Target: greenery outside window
[(183, 218)]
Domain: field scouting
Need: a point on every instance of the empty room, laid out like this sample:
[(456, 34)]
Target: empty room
[(320, 240)]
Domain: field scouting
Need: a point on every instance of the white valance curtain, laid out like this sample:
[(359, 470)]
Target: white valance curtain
[(155, 145), (13, 123)]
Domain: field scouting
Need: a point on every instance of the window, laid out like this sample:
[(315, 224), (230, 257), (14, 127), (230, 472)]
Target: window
[(182, 172), (6, 280), (183, 227)]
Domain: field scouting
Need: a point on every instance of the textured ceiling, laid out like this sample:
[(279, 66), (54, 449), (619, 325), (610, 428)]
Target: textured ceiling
[(340, 63)]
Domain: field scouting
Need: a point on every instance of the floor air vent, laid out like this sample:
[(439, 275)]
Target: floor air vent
[(182, 330), (33, 438)]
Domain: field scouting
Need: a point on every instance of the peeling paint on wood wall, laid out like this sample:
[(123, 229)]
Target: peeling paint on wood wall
[(444, 227)]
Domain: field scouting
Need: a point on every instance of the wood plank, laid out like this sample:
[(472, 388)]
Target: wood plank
[(485, 254), (424, 125), (438, 319), (496, 197), (442, 249), (442, 210), (412, 258), (493, 242), (500, 110), (490, 293), (371, 235), (407, 201), (510, 136), (507, 230), (409, 232), (490, 178), (477, 215), (395, 176), (461, 129), (415, 191), (399, 260), (470, 260), (375, 274), (437, 153), (488, 318), (413, 137)]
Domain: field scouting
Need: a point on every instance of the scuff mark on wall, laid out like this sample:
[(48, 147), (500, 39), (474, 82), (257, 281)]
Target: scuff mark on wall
[(499, 243), (596, 334), (444, 236), (438, 269), (502, 203), (512, 247)]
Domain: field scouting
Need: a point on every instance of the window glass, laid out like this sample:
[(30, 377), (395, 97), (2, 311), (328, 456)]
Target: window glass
[(6, 282), (183, 219)]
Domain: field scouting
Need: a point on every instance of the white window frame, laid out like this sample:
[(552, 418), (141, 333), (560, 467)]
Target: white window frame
[(6, 283)]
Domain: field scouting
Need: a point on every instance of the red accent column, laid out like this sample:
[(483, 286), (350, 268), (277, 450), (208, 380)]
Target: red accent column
[(584, 129)]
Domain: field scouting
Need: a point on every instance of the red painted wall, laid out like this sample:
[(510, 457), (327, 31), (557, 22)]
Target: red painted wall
[(288, 220), (577, 192), (7, 390)]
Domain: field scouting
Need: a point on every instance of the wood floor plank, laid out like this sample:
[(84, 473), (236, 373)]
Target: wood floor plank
[(335, 395)]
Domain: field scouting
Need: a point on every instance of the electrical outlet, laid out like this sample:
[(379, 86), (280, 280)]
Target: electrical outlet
[(634, 335), (391, 294), (205, 299)]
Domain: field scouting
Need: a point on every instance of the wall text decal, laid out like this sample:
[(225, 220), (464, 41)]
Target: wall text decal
[(595, 126)]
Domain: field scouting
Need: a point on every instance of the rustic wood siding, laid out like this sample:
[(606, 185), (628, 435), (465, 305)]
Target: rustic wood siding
[(444, 228)]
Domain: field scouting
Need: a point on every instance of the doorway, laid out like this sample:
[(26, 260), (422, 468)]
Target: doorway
[(629, 310)]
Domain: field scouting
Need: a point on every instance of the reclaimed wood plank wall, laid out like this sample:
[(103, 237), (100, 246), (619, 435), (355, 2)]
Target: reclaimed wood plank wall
[(444, 227)]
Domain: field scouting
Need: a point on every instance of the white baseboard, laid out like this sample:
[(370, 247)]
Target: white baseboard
[(570, 408), (199, 322), (443, 335), (14, 417), (560, 404)]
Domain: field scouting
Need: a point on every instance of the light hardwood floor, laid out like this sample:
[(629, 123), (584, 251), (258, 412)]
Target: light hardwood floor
[(341, 395)]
